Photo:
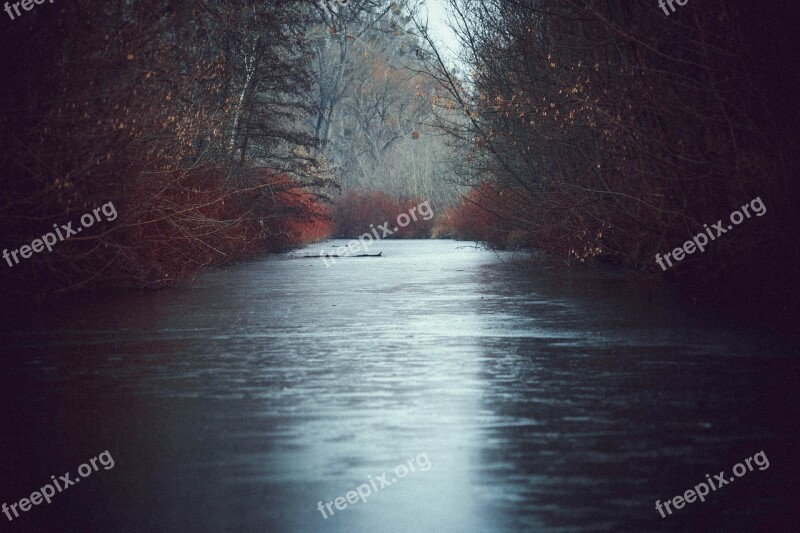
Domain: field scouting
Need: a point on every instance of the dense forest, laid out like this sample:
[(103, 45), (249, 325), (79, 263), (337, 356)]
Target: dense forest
[(609, 130), (597, 131), (217, 130)]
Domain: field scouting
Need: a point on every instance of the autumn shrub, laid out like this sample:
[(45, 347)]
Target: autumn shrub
[(358, 211), (201, 219), (481, 215), (171, 226)]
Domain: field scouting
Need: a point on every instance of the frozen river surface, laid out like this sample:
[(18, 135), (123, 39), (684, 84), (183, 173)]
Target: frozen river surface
[(523, 399)]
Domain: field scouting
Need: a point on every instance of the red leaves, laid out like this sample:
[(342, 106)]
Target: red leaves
[(199, 218), (304, 219), (355, 210), (479, 217)]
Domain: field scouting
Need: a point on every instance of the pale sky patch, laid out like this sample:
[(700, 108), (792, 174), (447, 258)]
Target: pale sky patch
[(442, 35)]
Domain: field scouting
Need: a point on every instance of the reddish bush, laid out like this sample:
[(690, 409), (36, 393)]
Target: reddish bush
[(479, 217), (301, 219), (356, 210), (508, 218), (201, 219), (173, 224)]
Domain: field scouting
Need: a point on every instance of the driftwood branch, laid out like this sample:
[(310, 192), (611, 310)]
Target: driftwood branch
[(379, 254)]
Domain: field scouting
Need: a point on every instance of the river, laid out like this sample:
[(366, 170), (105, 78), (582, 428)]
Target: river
[(526, 399)]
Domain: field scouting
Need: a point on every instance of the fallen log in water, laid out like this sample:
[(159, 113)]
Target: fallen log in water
[(379, 254)]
